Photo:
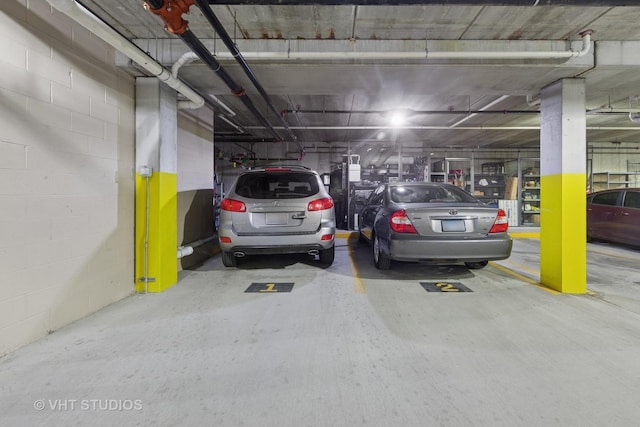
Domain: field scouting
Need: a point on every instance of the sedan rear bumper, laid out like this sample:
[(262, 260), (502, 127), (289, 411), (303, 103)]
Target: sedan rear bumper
[(489, 249)]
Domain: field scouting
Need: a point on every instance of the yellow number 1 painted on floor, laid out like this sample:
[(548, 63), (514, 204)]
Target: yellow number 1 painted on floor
[(270, 287)]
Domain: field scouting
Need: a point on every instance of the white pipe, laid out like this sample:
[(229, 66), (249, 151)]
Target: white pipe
[(84, 17), (433, 127), (187, 58), (184, 251), (532, 102), (634, 116), (423, 54), (486, 107)]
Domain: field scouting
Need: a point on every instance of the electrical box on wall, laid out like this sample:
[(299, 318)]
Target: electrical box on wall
[(145, 171), (354, 168), (354, 172)]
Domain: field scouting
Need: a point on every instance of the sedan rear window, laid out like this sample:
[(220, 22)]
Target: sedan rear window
[(429, 194), (277, 185)]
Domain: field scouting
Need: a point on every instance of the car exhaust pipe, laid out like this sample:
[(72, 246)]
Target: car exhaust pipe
[(313, 252), (238, 254)]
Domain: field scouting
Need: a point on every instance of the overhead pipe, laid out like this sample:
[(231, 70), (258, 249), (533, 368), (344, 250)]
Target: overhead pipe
[(481, 110), (226, 39), (479, 127), (187, 58), (532, 3), (171, 13), (87, 19), (413, 112), (421, 54), (634, 116)]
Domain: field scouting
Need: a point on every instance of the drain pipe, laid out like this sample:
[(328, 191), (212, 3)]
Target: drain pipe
[(87, 19), (187, 58), (634, 116), (171, 13), (226, 39)]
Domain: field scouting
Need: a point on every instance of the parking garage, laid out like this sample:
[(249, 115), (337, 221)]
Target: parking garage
[(123, 126)]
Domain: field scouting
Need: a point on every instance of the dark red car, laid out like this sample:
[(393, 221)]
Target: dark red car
[(614, 216)]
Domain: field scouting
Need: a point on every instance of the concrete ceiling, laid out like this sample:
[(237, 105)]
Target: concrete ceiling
[(325, 65)]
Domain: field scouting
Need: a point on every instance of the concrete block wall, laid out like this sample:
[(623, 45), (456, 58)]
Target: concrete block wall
[(66, 173)]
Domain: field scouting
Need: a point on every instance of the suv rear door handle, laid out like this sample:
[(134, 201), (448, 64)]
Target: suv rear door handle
[(298, 216)]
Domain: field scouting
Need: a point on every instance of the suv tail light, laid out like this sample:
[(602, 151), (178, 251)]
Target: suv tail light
[(233, 205), (400, 223), (501, 223), (320, 204)]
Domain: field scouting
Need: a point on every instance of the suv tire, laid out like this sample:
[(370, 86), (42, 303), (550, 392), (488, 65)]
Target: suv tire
[(228, 259), (327, 255)]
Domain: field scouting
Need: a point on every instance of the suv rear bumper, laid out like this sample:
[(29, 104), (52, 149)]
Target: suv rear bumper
[(277, 244)]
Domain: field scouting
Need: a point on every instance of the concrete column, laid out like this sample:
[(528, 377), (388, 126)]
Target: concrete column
[(156, 196), (563, 182)]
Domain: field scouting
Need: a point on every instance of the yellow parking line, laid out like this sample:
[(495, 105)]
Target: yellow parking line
[(525, 235), (524, 278), (358, 284)]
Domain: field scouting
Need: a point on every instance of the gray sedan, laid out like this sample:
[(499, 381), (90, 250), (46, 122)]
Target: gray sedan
[(432, 222)]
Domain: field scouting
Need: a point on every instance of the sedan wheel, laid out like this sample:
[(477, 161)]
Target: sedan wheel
[(476, 265), (228, 259), (380, 259)]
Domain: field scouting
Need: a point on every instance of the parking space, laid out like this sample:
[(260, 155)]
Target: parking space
[(340, 346)]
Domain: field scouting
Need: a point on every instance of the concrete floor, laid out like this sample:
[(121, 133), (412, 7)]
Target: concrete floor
[(349, 345)]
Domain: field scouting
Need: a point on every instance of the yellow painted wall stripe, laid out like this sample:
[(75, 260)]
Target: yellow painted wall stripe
[(163, 233), (563, 240)]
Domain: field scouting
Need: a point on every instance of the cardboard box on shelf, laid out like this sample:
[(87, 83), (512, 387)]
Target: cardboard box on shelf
[(511, 188)]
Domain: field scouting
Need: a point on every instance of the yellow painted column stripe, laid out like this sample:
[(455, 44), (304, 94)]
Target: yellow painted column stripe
[(162, 260), (563, 243)]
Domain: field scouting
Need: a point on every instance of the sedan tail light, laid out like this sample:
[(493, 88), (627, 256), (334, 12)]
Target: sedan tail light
[(501, 223), (320, 204), (400, 223), (233, 205)]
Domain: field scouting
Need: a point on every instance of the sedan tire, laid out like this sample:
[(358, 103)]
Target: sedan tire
[(476, 265), (228, 259), (327, 256), (380, 259)]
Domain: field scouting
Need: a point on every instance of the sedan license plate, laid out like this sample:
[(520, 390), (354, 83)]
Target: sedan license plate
[(453, 225)]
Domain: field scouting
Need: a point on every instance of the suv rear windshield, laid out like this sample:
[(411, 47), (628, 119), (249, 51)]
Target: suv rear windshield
[(277, 185)]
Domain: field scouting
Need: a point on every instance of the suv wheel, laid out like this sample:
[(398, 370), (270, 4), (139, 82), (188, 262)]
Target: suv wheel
[(327, 255), (228, 259)]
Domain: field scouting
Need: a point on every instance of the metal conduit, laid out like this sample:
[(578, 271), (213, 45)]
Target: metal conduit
[(226, 39)]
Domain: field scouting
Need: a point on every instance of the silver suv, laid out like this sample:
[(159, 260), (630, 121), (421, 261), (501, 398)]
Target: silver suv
[(277, 210)]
